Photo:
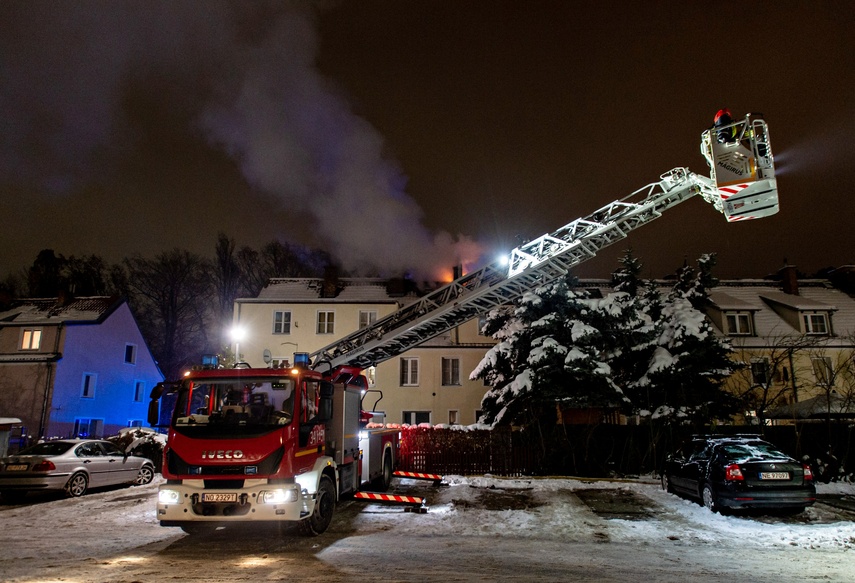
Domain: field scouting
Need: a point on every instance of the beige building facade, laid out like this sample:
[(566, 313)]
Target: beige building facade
[(427, 384)]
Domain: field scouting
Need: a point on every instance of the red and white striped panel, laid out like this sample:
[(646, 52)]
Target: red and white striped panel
[(728, 191), (418, 476), (389, 498)]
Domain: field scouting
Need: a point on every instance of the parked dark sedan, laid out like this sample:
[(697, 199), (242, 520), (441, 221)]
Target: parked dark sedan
[(739, 472), (72, 466)]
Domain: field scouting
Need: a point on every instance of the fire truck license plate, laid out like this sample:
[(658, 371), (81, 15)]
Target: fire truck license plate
[(774, 476), (219, 497)]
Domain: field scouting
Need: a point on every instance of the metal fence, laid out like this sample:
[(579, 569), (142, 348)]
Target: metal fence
[(466, 452)]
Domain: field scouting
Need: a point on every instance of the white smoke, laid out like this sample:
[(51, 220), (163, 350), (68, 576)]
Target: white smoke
[(248, 72)]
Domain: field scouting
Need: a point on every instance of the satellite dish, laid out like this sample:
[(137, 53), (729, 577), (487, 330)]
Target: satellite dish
[(266, 356)]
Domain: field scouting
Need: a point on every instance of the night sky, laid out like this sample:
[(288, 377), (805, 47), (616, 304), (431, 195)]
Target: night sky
[(409, 136)]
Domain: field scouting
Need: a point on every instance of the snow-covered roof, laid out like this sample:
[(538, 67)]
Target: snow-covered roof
[(347, 290), (40, 311), (762, 297)]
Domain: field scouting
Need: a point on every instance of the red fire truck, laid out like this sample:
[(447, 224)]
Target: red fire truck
[(271, 444)]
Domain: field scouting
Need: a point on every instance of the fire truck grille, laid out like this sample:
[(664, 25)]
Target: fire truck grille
[(266, 467)]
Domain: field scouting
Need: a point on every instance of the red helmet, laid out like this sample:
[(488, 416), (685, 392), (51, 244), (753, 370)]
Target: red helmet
[(722, 112)]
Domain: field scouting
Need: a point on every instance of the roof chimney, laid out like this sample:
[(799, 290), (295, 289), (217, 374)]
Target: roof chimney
[(330, 286), (789, 280)]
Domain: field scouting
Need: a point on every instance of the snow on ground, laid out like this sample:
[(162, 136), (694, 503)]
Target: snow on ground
[(560, 512), (114, 535)]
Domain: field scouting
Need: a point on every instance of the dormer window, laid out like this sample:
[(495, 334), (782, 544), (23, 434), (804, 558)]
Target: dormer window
[(738, 323), (815, 323)]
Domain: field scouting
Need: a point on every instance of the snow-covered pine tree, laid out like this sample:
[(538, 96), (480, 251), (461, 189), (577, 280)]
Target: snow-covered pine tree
[(551, 348), (690, 362)]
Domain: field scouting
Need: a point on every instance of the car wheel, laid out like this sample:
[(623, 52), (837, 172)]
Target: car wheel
[(145, 475), (77, 485), (709, 498), (322, 516)]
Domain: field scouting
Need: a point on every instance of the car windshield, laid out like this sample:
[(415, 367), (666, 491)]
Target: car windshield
[(755, 450), (255, 402), (47, 448)]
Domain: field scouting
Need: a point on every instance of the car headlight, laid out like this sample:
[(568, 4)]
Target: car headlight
[(278, 496), (168, 496)]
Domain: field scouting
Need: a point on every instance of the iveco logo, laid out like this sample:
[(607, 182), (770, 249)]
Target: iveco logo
[(222, 454)]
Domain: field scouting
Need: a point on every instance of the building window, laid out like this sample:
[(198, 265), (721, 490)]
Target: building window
[(326, 322), (135, 423), (139, 391), (823, 370), (416, 417), (738, 323), (88, 427), (31, 339), (760, 371), (453, 417), (130, 354), (816, 323), (366, 318), (371, 374), (478, 413), (409, 372), (450, 372), (281, 322), (88, 386), (280, 362), (482, 321)]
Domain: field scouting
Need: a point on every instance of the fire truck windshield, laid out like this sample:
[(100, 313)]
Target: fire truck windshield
[(245, 401)]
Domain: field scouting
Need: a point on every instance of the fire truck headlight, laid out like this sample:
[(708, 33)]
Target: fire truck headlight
[(168, 497), (279, 496)]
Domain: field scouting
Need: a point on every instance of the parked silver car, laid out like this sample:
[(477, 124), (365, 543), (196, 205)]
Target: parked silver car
[(72, 466)]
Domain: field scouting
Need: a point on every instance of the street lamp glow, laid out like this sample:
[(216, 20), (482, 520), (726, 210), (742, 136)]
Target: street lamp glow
[(237, 333)]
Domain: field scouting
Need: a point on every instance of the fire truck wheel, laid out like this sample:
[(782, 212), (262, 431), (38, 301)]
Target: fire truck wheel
[(385, 479), (320, 519)]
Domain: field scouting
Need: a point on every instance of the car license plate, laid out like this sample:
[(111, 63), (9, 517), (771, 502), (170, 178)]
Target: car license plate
[(774, 476), (16, 467), (219, 497)]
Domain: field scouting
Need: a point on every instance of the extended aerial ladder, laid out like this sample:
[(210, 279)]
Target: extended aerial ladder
[(741, 185)]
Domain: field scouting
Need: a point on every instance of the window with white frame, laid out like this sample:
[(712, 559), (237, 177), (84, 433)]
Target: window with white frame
[(326, 322), (371, 374), (281, 322), (415, 417), (87, 388), (450, 372), (760, 373), (453, 417), (409, 371), (366, 318), (738, 323), (139, 390), (130, 354), (31, 338), (815, 323), (823, 370)]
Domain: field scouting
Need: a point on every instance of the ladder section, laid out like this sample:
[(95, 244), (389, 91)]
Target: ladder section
[(530, 265)]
